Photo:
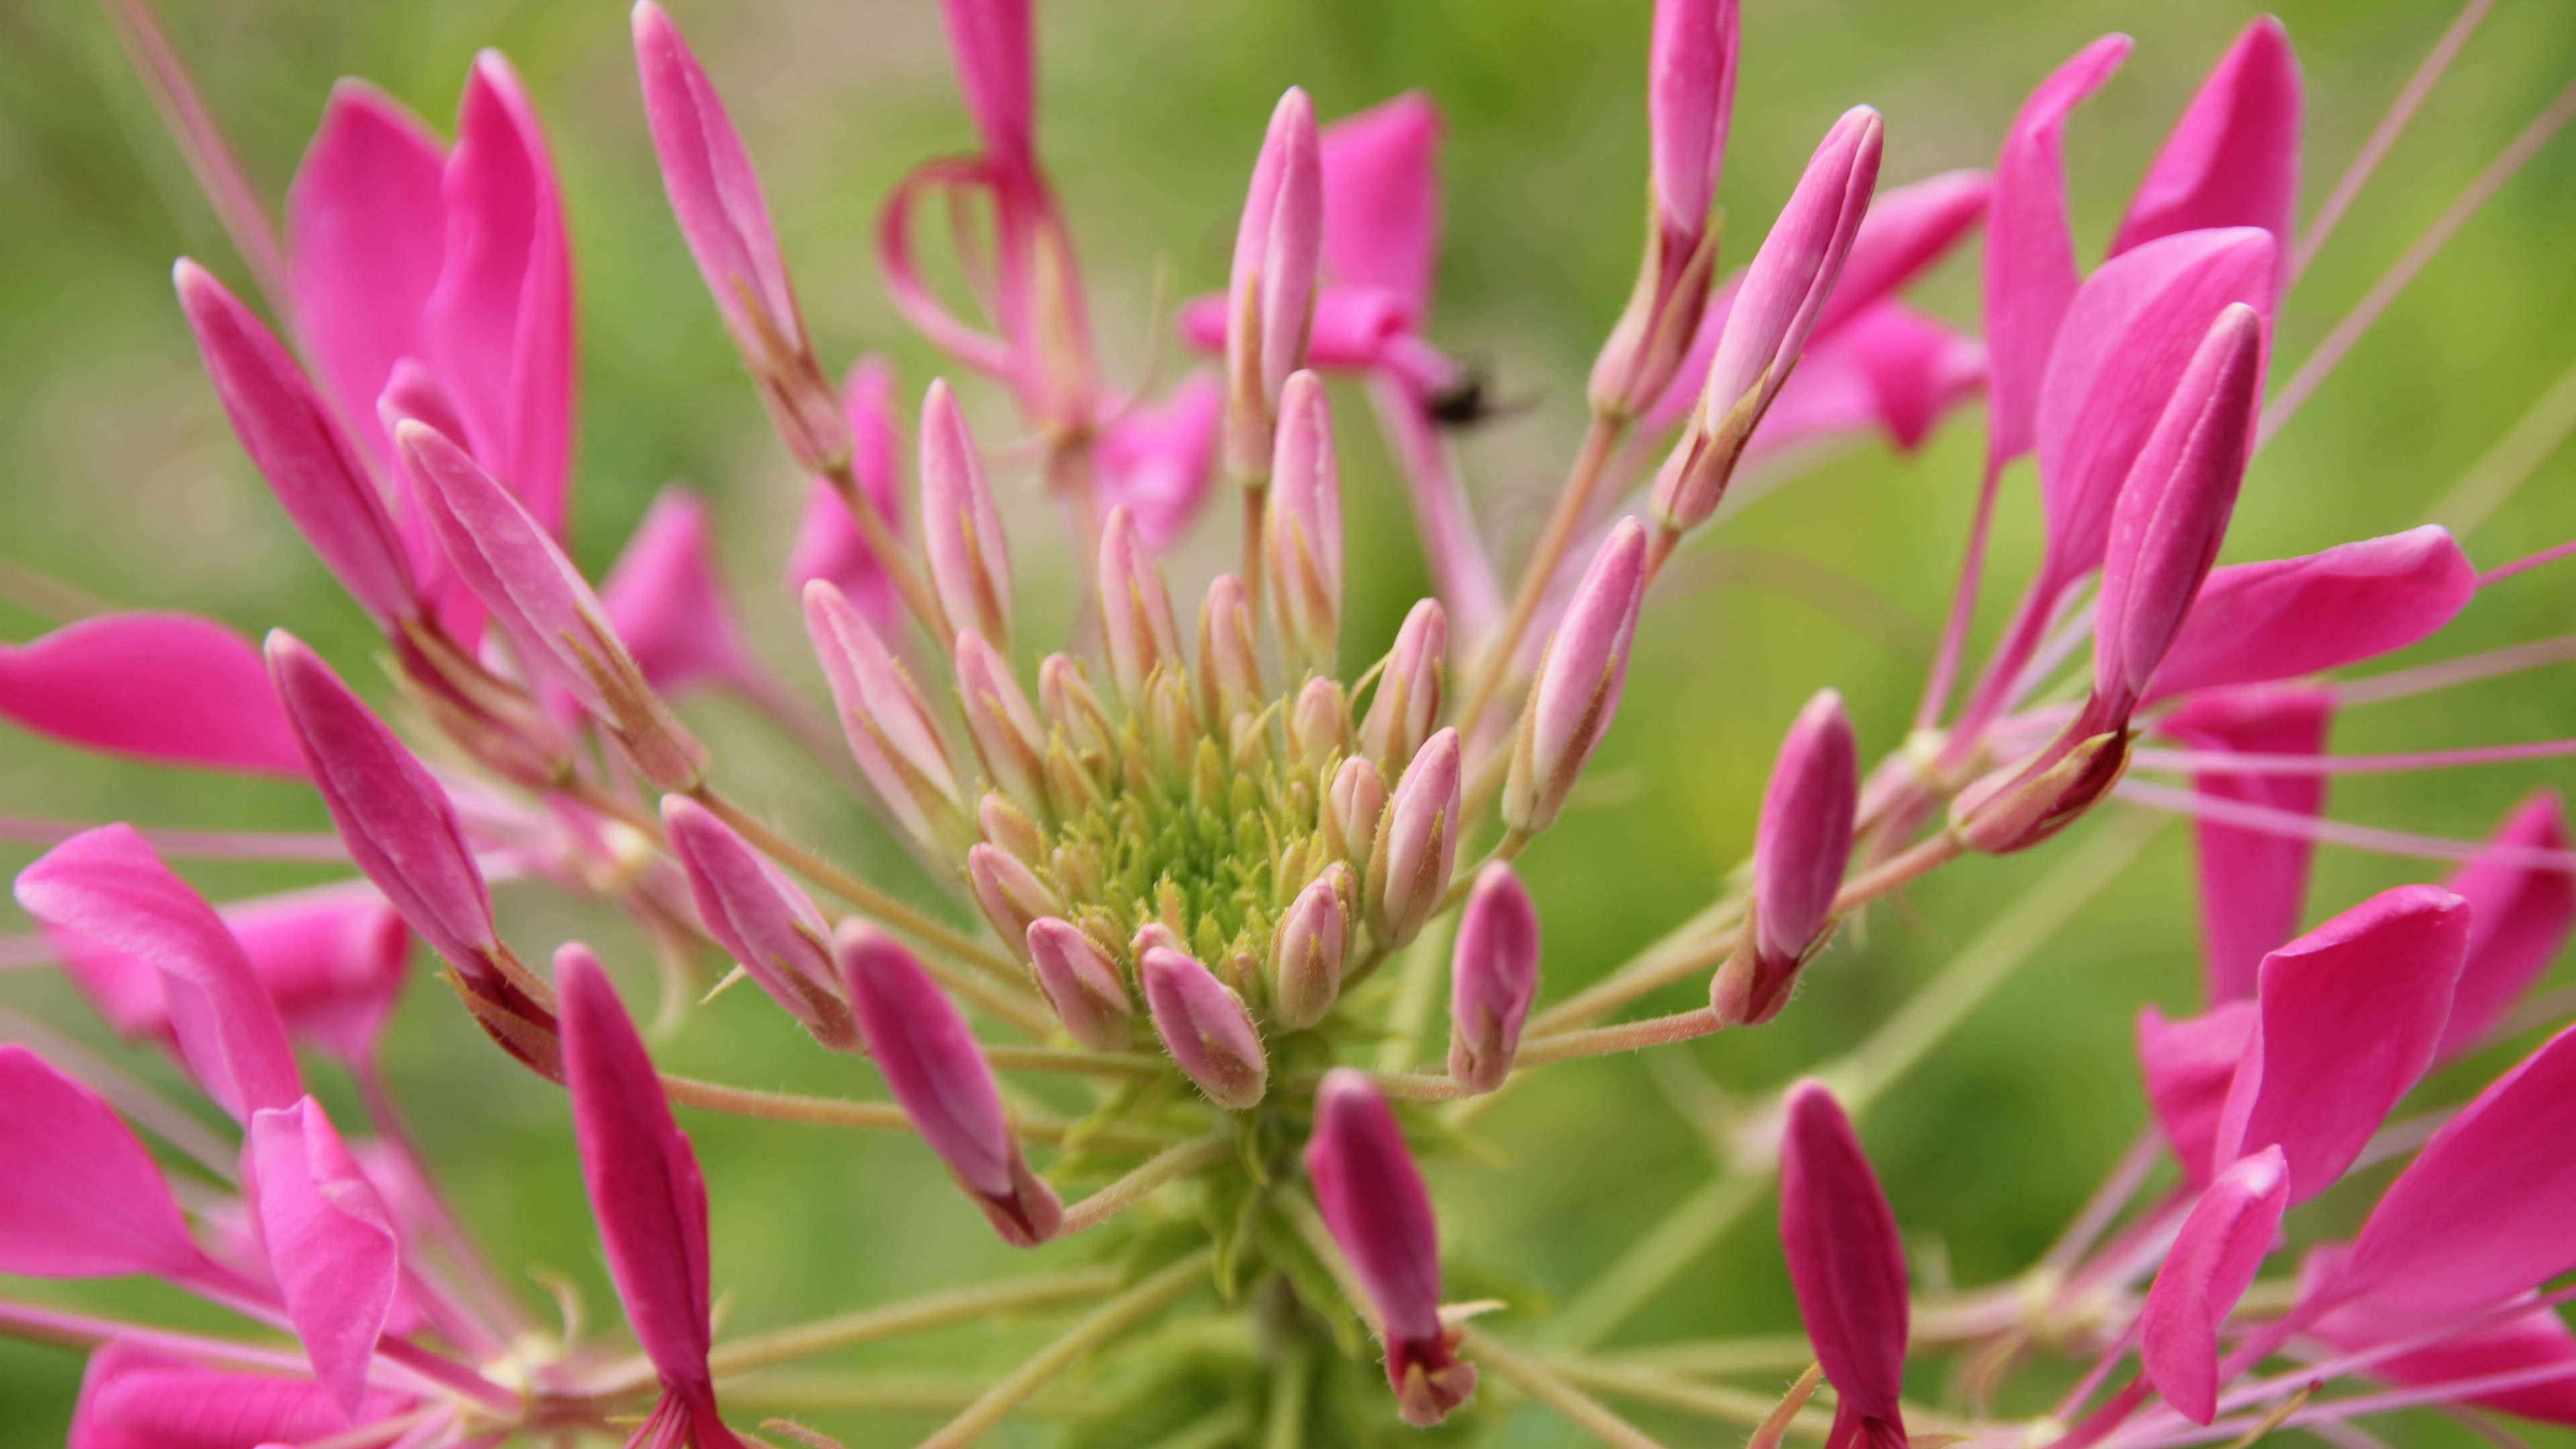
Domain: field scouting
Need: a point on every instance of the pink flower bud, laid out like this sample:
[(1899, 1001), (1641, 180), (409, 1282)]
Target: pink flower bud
[(1351, 811), (970, 564), (1407, 702), (828, 542), (1135, 609), (762, 920), (1579, 680), (1081, 983), (1319, 724), (666, 603), (1846, 1264), (2173, 510), (506, 557), (1312, 940), (1493, 978), (939, 1076), (1270, 300), (1774, 311), (2019, 806), (890, 729), (1005, 730), (309, 463), (1009, 826), (1203, 1024), (1010, 893), (1372, 1199), (1416, 845), (1229, 659), (1799, 852), (1072, 705), (1302, 528), (1690, 94)]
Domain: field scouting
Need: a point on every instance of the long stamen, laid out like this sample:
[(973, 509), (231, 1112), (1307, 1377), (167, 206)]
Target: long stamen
[(2451, 673), (2511, 462), (280, 845), (2223, 762), (210, 157), (2336, 832), (2385, 134)]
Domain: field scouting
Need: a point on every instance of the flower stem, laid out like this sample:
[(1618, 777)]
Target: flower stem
[(1661, 1386), (1102, 1324), (1695, 945), (1078, 1062), (912, 1315), (1543, 1383), (1169, 1165), (1600, 440)]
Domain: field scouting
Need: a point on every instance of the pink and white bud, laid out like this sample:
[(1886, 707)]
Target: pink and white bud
[(1203, 1024), (1010, 827), (1313, 939), (1135, 609), (1407, 703), (1302, 527), (1005, 730), (1373, 1201), (939, 1077), (2173, 510), (1775, 310), (1229, 670), (1352, 808), (1847, 1266), (1800, 849), (1011, 894), (970, 563), (1690, 96), (1082, 983), (1319, 724), (1493, 978), (1417, 844), (1579, 679), (762, 920), (1270, 299), (1072, 705), (293, 439), (889, 726)]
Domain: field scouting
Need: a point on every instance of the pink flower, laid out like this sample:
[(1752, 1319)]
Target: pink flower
[(1847, 1266), (2283, 618), (2519, 918), (2252, 883), (1155, 460), (2233, 158)]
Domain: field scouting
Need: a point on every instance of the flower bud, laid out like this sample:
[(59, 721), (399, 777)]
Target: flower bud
[(1800, 849), (1270, 298), (970, 563), (1010, 893), (1306, 957), (1008, 826), (1203, 1023), (1690, 96), (1846, 1265), (1081, 982), (1416, 845), (888, 724), (1407, 702), (2019, 806), (1319, 724), (1135, 609), (762, 920), (1493, 978), (941, 1080), (1351, 811), (1229, 660), (1302, 528), (1172, 719), (1073, 706), (1005, 731), (1579, 680)]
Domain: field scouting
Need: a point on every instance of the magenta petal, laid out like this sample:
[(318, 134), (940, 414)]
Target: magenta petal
[(132, 1398), (994, 69), (1890, 368), (2347, 1016), (1156, 461), (2253, 883), (667, 604), (643, 1179), (333, 967), (329, 1242), (1845, 1260), (1382, 199), (2030, 257), (2188, 1066), (157, 686), (366, 234), (2233, 158), (1908, 228), (1804, 836), (2534, 1339), (104, 889), (2519, 919), (2212, 1263), (2286, 617), (714, 192), (828, 545), (79, 1197)]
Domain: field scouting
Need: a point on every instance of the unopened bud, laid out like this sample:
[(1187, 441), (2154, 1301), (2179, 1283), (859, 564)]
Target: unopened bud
[(1302, 528), (762, 920), (1493, 978), (1416, 845), (1205, 1027), (2019, 806), (1135, 609), (1800, 850), (1007, 735), (1229, 660), (1319, 725), (970, 565), (1008, 826), (1653, 336), (1081, 982), (1073, 706), (1407, 702), (888, 724), (1306, 958), (1010, 893), (1278, 248), (1579, 679), (1351, 812), (1172, 719)]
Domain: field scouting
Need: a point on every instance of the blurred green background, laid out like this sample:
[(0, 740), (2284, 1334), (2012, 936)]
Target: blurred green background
[(118, 475)]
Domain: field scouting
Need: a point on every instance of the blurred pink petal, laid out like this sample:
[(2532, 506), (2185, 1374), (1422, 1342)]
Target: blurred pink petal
[(79, 1197), (2189, 1066), (2213, 1261), (157, 686), (2233, 158), (667, 603), (2519, 920), (133, 1398), (2286, 617), (1891, 368), (2534, 1339), (2253, 883), (1382, 201), (1847, 1266), (828, 545), (990, 39), (329, 1241), (1908, 228), (1156, 461)]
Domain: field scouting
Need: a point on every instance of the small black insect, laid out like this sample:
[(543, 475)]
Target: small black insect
[(1468, 399)]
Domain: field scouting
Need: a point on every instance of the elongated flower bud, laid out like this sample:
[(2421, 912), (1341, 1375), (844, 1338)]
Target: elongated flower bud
[(1373, 1201), (1784, 290), (2019, 806), (1072, 705), (1005, 730), (1306, 959), (1407, 702), (888, 724), (1302, 529), (1579, 681), (1416, 845), (1009, 826), (1847, 1265), (1229, 661), (1203, 1025), (1135, 609), (1010, 893), (940, 1078), (1800, 850), (1270, 299), (1355, 802), (1690, 96), (1082, 983), (970, 563), (1493, 978), (762, 920), (506, 557), (1319, 724), (310, 464)]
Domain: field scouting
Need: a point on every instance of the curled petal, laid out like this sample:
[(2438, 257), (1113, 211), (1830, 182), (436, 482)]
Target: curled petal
[(1382, 199), (2212, 1263), (329, 1241), (2519, 918), (79, 1197), (2189, 1066)]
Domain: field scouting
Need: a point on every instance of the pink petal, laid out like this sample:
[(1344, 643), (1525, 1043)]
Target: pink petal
[(1157, 461), (2030, 257), (366, 234), (992, 46), (2188, 1066), (79, 1197), (667, 604), (2212, 1263), (329, 1243), (500, 321), (1890, 368), (1690, 97), (2347, 1016), (2233, 158), (2519, 920), (132, 1398), (333, 967), (930, 1061), (1382, 199), (1845, 1260), (2253, 883), (2286, 617), (171, 687), (828, 545), (1908, 228), (105, 889), (2530, 1340)]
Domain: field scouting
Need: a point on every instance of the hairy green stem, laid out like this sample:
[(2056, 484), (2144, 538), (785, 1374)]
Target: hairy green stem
[(1098, 1327), (1544, 1384)]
